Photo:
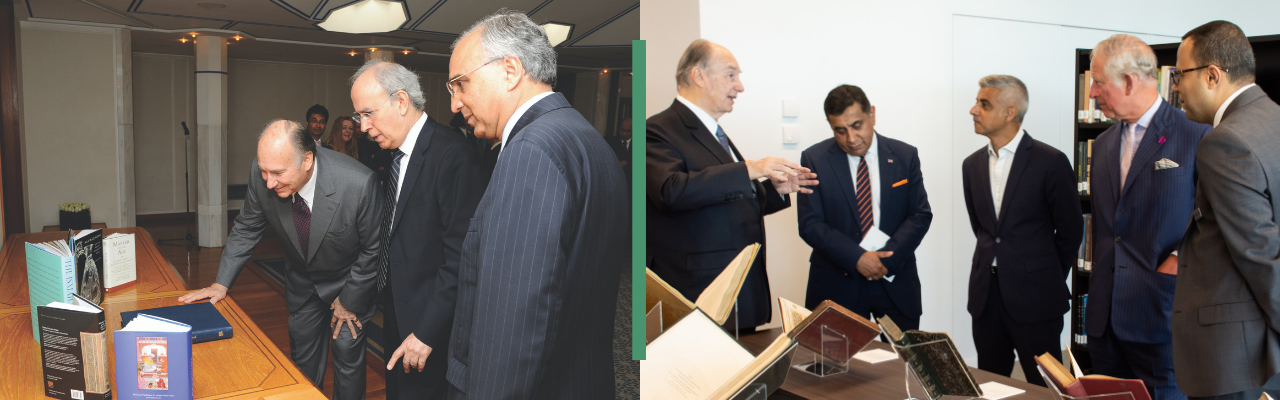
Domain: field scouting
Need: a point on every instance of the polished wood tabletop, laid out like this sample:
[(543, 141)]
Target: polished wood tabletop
[(246, 366), (883, 380)]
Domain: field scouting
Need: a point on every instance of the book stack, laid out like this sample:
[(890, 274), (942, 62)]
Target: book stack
[(206, 322)]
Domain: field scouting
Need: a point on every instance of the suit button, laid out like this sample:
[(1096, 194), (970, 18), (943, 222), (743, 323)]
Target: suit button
[(997, 240), (1117, 239)]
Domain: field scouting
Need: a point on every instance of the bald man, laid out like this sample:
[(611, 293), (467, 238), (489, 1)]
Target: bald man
[(327, 210)]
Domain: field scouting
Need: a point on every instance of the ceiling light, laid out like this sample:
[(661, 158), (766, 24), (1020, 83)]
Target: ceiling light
[(183, 40), (193, 34), (366, 16), (352, 53), (236, 37), (557, 32)]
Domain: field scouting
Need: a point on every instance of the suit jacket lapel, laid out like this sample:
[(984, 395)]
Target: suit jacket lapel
[(1248, 96), (1147, 150), (983, 203), (702, 133), (839, 161), (552, 102), (888, 173), (1020, 158), (414, 169), (323, 206), (1109, 152)]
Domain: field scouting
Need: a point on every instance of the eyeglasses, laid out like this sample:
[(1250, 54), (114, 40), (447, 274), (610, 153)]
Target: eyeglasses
[(368, 115), (455, 86), (1176, 76)]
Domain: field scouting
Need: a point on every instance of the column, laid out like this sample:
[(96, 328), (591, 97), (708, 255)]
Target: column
[(123, 76), (211, 141)]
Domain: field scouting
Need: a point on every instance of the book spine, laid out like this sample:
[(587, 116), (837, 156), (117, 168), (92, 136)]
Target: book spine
[(205, 335)]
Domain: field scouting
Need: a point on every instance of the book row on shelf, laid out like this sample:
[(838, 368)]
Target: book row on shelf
[(1084, 258), (1077, 335), (1088, 111), (68, 281), (1084, 166)]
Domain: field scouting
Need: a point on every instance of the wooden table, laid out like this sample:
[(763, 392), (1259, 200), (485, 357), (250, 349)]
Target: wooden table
[(883, 380), (246, 366), (56, 228)]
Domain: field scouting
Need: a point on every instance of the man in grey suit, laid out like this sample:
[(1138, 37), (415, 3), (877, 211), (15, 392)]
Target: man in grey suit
[(542, 258), (332, 253), (1226, 303)]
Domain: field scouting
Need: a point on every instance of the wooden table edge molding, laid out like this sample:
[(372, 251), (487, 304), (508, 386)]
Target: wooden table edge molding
[(17, 333)]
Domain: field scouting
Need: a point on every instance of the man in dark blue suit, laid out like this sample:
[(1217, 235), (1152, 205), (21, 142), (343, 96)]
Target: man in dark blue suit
[(1142, 192), (544, 253), (1025, 211), (872, 183)]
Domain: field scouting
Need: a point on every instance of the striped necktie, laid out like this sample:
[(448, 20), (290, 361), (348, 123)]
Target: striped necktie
[(390, 209), (866, 219)]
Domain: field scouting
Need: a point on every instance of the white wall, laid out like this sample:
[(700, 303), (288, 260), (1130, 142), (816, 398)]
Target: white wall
[(164, 97), (78, 130), (919, 63)]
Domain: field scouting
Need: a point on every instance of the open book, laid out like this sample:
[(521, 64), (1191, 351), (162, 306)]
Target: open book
[(808, 328), (934, 360), (697, 360), (716, 300), (1070, 384)]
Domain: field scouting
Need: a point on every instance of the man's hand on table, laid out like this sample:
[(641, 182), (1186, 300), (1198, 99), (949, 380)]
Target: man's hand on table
[(214, 293)]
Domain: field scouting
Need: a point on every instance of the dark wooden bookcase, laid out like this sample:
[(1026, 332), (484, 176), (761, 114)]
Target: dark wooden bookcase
[(1266, 51)]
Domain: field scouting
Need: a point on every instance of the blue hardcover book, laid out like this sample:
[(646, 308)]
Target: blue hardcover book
[(153, 360), (205, 320), (51, 277)]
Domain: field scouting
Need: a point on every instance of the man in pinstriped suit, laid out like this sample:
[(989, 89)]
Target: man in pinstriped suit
[(549, 241), (1142, 193)]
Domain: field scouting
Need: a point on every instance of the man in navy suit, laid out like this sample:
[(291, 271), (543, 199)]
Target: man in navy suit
[(544, 253), (705, 201), (872, 183), (1142, 192), (1025, 211)]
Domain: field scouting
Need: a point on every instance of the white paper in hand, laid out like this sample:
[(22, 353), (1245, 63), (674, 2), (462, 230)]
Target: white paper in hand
[(995, 390), (874, 241)]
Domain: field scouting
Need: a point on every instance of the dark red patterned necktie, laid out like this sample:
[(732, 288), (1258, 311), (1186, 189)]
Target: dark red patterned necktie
[(866, 218), (302, 222)]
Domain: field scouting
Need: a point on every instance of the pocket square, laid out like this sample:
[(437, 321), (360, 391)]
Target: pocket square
[(1165, 163), (900, 183)]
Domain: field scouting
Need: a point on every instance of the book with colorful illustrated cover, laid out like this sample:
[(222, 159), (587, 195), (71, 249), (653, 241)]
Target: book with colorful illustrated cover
[(153, 360)]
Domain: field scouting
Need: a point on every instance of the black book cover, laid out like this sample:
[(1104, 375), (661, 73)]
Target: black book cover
[(73, 352), (88, 250)]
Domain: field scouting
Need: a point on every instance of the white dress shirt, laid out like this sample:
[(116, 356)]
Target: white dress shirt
[(511, 123), (1217, 118), (1133, 137), (873, 172), (406, 147), (707, 121), (308, 191), (998, 165)]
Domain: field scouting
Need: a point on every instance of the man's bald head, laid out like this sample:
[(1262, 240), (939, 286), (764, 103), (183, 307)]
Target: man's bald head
[(286, 156)]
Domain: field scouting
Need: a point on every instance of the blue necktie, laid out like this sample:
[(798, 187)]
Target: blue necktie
[(724, 141)]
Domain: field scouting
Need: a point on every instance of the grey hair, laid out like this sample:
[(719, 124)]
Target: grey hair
[(1012, 92), (509, 33), (394, 78), (697, 55), (1125, 54), (297, 135)]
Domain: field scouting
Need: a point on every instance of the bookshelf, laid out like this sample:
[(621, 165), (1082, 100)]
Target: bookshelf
[(1266, 50)]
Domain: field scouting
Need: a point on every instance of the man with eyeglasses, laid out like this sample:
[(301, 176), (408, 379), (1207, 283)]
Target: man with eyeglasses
[(434, 185), (543, 258), (1143, 187), (706, 202), (1226, 304)]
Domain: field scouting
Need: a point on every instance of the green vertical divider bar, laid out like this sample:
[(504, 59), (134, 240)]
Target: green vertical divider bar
[(638, 220)]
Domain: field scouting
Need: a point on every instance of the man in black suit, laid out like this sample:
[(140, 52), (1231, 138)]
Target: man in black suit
[(705, 201), (327, 210), (317, 120), (621, 145), (433, 188), (1025, 211), (872, 183), (543, 256)]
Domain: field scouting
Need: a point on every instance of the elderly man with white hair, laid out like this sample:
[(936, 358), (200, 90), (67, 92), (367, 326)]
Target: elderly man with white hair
[(1143, 190), (549, 241)]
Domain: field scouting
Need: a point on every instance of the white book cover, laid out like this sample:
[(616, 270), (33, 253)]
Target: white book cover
[(119, 255)]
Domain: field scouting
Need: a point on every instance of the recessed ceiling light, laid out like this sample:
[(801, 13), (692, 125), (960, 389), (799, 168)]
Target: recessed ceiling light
[(557, 32), (211, 5), (366, 16)]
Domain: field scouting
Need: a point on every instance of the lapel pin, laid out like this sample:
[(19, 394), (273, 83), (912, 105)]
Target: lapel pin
[(1162, 140), (891, 161)]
